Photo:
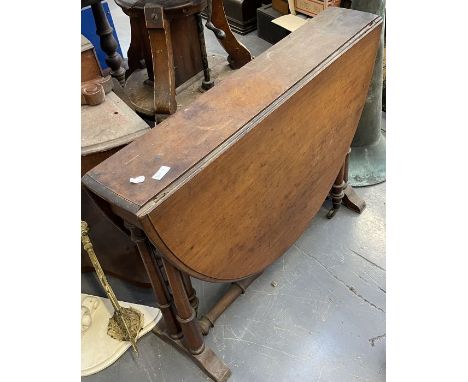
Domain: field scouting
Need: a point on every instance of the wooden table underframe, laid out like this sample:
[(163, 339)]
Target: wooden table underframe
[(177, 299)]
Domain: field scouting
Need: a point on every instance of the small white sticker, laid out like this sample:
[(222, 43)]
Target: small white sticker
[(138, 179), (163, 170)]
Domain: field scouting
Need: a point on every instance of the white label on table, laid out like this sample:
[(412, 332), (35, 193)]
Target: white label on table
[(163, 170), (138, 179)]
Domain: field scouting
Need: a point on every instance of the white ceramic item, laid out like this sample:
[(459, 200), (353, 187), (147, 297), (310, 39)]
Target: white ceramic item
[(98, 349)]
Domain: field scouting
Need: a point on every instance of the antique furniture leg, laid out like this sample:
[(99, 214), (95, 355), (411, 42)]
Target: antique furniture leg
[(351, 200), (336, 192), (163, 62), (191, 293), (159, 288), (235, 290), (207, 83), (190, 339), (238, 54), (343, 193), (108, 43), (135, 54), (186, 316), (193, 339)]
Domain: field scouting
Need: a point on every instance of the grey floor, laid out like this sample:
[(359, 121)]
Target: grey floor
[(323, 321)]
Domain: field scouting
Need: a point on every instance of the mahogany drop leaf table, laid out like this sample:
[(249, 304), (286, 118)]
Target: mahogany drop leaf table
[(246, 174)]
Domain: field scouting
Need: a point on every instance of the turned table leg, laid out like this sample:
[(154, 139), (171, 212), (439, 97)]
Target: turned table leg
[(107, 42), (161, 293), (182, 329), (191, 292), (186, 315), (343, 194), (336, 193), (192, 343)]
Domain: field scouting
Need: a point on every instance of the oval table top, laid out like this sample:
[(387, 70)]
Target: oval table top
[(251, 160)]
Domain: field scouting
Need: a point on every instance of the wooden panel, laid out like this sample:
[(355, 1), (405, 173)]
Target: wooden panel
[(186, 48), (247, 207), (248, 173)]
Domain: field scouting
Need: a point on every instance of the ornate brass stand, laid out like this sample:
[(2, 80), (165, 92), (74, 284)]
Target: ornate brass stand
[(126, 323)]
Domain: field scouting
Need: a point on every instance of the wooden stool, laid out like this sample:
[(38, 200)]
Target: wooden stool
[(167, 40)]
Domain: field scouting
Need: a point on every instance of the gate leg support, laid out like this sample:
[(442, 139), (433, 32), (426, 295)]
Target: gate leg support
[(337, 193), (161, 293), (191, 292), (235, 290), (343, 193), (192, 342)]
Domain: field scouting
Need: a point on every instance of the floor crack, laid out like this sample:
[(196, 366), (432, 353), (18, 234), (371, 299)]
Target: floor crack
[(366, 259), (350, 288), (374, 339), (367, 282), (361, 297)]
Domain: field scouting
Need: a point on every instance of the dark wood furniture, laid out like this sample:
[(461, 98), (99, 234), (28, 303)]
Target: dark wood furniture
[(238, 54), (168, 48), (165, 41), (105, 129), (247, 174)]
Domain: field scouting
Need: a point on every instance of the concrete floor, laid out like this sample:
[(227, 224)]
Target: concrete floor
[(324, 320)]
